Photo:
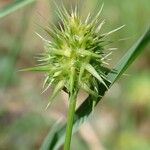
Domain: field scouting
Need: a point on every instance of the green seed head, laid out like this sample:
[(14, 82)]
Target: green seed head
[(74, 57)]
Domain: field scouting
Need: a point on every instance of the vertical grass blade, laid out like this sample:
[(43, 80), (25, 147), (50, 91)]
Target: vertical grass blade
[(17, 45)]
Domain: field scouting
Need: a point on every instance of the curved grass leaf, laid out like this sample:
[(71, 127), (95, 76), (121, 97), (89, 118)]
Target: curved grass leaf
[(13, 7), (16, 47), (86, 108)]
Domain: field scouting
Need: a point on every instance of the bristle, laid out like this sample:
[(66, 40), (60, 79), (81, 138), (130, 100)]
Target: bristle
[(115, 30)]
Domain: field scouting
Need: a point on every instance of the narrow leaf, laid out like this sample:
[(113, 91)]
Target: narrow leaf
[(129, 57), (15, 5)]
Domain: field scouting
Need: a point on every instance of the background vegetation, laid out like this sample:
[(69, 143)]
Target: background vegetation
[(120, 121)]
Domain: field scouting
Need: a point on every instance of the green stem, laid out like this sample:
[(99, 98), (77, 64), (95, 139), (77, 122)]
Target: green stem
[(70, 118)]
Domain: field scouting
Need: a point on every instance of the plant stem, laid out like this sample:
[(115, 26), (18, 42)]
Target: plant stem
[(70, 118)]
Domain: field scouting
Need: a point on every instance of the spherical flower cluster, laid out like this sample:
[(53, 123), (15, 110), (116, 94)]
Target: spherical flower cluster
[(75, 57)]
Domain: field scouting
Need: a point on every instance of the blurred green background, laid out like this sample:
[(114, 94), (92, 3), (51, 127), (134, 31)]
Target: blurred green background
[(120, 122)]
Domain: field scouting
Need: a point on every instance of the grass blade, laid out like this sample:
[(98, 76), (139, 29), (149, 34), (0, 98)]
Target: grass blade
[(13, 7), (130, 56), (86, 108), (16, 47)]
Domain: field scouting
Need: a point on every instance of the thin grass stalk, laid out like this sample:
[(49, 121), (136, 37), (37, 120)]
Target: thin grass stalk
[(70, 119)]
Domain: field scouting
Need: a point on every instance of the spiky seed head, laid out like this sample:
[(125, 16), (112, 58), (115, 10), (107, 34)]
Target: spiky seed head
[(74, 57)]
